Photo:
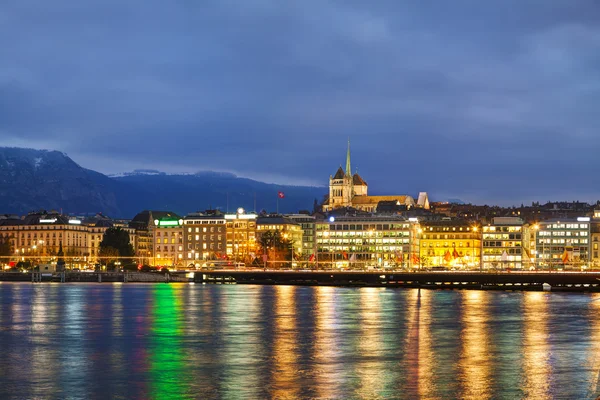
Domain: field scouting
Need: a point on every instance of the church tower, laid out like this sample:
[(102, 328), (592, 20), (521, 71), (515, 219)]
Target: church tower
[(341, 189)]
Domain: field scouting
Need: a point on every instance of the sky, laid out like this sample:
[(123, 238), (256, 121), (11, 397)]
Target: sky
[(485, 101)]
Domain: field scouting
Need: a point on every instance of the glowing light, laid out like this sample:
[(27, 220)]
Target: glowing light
[(331, 219), (48, 221)]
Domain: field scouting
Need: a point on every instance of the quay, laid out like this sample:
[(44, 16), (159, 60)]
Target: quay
[(531, 281), (535, 281)]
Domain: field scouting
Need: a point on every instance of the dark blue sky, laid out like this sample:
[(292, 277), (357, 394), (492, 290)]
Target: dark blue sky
[(486, 101)]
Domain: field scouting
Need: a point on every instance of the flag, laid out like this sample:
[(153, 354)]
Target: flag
[(311, 258), (565, 257), (455, 253), (415, 259), (353, 257), (345, 255), (447, 256), (281, 195)]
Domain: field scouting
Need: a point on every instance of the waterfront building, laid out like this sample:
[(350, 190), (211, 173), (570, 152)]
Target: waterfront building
[(289, 229), (348, 190), (159, 237), (564, 243), (595, 237), (451, 243), (241, 236), (38, 236), (507, 244), (307, 223), (367, 241), (205, 237)]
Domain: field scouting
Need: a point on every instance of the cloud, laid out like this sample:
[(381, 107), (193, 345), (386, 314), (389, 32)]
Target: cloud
[(476, 100)]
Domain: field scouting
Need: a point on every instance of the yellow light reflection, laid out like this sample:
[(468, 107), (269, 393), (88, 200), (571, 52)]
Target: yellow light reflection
[(419, 352), (285, 346), (594, 357), (536, 350), (370, 344), (475, 361), (325, 346)]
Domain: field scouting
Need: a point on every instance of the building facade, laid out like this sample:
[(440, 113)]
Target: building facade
[(241, 236), (366, 242), (451, 243), (307, 223), (564, 243), (205, 237), (507, 244)]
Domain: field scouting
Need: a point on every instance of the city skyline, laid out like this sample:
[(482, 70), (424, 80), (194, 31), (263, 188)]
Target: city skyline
[(485, 103)]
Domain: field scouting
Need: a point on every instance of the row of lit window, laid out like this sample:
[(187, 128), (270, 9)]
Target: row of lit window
[(562, 241), (204, 229), (445, 244)]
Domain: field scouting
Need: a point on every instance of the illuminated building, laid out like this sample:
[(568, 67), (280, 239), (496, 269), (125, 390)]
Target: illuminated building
[(507, 244), (288, 227), (307, 223), (452, 243), (241, 236), (595, 235), (564, 243), (367, 242), (159, 237), (205, 237), (347, 190), (37, 237)]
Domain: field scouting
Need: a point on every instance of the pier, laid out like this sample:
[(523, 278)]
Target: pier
[(536, 281)]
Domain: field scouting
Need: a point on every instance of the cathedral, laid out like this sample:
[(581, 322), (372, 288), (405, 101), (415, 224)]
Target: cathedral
[(347, 190)]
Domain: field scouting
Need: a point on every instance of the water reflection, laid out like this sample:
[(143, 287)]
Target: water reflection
[(593, 359), (202, 341), (166, 360), (326, 346), (475, 360), (536, 350), (285, 346)]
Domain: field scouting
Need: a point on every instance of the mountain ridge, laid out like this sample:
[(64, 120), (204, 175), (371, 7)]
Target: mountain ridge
[(32, 179)]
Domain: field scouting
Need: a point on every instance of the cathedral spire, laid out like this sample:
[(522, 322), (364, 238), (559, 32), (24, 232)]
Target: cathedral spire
[(348, 169)]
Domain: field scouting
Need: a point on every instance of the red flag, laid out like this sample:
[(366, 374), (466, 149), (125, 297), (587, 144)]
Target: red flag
[(447, 256), (455, 253), (311, 258), (281, 195), (345, 255)]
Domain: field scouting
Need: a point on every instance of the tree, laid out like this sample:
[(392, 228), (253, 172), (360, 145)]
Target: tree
[(115, 246), (109, 255), (275, 246), (4, 247)]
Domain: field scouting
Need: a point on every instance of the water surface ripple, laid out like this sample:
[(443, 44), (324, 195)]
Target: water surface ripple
[(162, 341)]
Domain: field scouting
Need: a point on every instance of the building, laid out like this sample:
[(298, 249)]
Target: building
[(307, 223), (241, 236), (347, 190), (205, 237), (38, 236), (288, 227), (564, 243), (451, 243), (595, 236), (508, 244), (367, 241), (159, 238)]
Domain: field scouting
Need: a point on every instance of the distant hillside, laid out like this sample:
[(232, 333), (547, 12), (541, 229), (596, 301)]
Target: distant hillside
[(40, 179)]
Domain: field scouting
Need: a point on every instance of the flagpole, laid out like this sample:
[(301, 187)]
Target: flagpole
[(277, 203)]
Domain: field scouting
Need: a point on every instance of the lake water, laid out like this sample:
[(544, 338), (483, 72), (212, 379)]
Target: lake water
[(162, 341)]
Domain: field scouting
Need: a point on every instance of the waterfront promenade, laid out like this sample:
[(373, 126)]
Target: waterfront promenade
[(531, 280)]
